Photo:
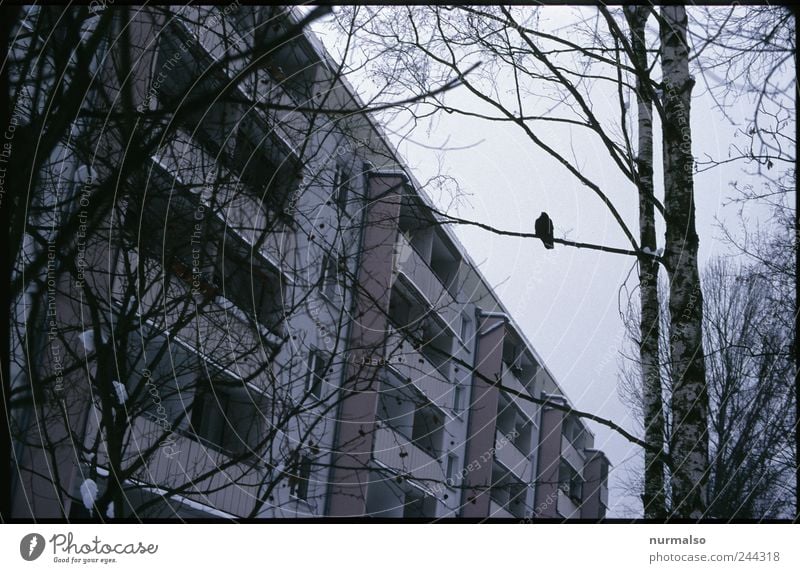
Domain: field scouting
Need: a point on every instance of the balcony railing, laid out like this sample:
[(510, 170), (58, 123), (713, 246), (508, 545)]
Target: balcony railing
[(422, 276), (507, 502), (510, 380), (509, 455), (227, 315), (229, 496), (497, 510), (567, 507), (397, 452), (412, 365), (573, 457)]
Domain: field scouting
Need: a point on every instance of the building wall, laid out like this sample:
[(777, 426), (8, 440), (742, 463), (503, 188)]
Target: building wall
[(483, 411), (348, 475), (595, 488), (356, 417)]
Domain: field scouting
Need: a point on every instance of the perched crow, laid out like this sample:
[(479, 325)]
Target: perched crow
[(544, 230)]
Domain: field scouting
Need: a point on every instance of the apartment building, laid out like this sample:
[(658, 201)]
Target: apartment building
[(304, 338)]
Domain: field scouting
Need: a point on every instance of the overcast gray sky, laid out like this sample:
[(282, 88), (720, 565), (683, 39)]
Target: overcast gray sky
[(566, 300)]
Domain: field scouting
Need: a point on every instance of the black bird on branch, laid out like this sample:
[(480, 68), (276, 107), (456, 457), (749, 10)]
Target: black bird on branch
[(544, 230)]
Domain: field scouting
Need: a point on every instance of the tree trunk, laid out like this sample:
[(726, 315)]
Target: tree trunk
[(653, 498), (689, 438)]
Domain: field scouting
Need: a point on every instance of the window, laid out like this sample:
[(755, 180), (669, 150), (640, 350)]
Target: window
[(300, 478), (507, 491), (332, 266), (452, 460), (522, 433), (417, 505), (266, 168), (396, 407), (192, 75), (576, 489), (458, 398), (223, 415), (171, 214), (573, 432), (428, 430), (317, 373), (517, 493), (465, 328), (530, 381), (341, 188), (250, 285), (570, 482)]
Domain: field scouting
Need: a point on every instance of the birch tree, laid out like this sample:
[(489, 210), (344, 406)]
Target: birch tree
[(654, 497), (747, 334), (689, 440)]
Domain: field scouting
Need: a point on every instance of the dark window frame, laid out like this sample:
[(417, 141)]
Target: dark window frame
[(342, 187), (315, 383), (300, 480), (214, 422)]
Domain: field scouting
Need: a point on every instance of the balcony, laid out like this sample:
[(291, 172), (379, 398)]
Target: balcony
[(510, 380), (233, 319), (498, 511), (508, 493), (507, 454), (396, 452), (199, 463), (420, 274), (567, 507), (412, 365), (571, 455)]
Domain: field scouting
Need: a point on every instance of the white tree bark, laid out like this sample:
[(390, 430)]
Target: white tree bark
[(689, 438), (653, 499)]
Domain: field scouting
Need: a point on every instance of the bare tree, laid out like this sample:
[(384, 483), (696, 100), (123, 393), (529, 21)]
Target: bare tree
[(689, 439), (751, 400), (154, 252), (654, 497), (528, 77), (568, 71), (746, 58)]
